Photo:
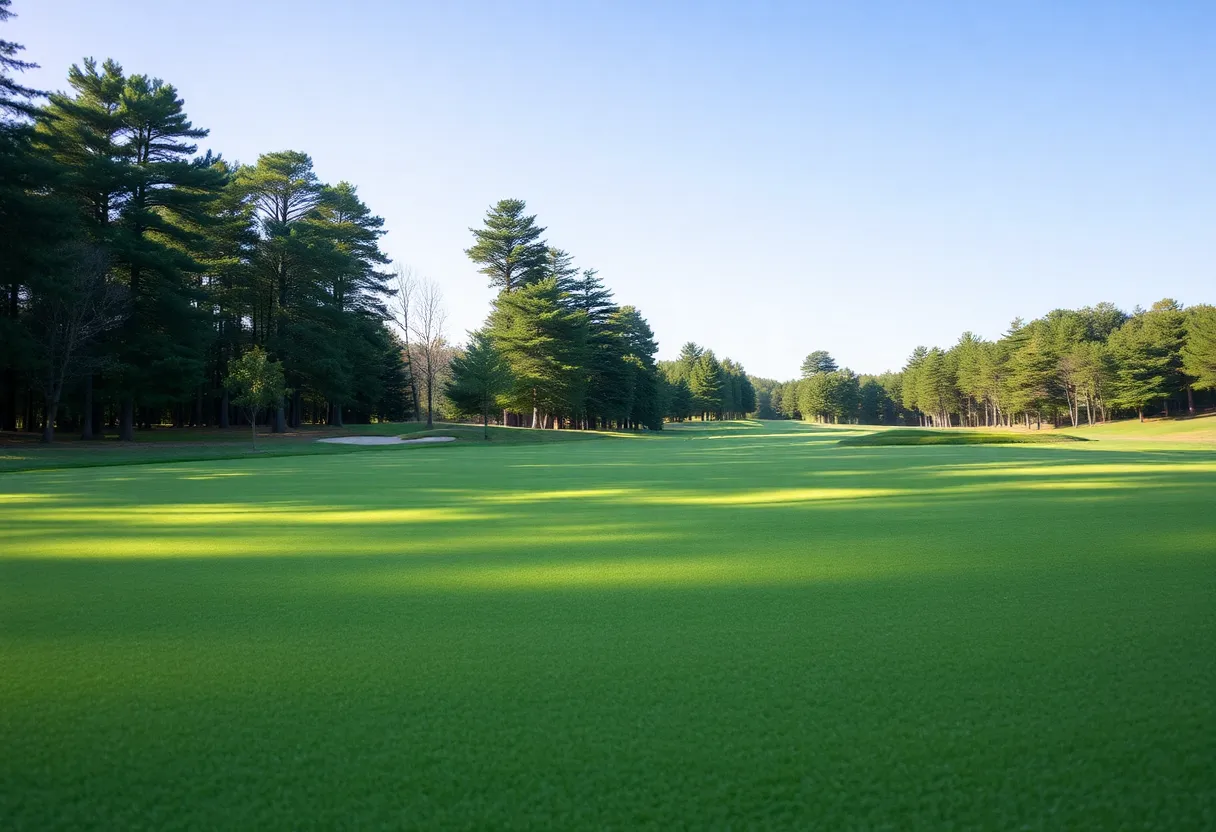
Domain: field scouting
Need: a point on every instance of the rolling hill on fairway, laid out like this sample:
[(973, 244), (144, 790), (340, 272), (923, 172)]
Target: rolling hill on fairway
[(731, 624)]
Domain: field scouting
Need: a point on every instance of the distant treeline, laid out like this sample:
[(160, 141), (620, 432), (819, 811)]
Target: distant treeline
[(1068, 367)]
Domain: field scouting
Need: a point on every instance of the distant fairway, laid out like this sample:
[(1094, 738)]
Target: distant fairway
[(736, 624)]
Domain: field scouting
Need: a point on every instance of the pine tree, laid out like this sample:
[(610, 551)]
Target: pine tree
[(1165, 328), (559, 265), (479, 376), (541, 340), (15, 98), (1142, 367), (509, 247), (641, 405), (1199, 351), (818, 362), (690, 353), (705, 384), (285, 194), (34, 223), (1034, 373)]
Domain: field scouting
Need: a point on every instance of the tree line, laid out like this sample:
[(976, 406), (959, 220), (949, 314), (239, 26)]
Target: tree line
[(698, 384), (1068, 367), (556, 351), (135, 268)]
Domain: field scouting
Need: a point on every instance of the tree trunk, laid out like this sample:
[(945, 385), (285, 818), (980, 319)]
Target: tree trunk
[(280, 418), (1190, 400), (1165, 407), (48, 425), (86, 409), (253, 425), (1140, 413), (224, 417), (126, 420)]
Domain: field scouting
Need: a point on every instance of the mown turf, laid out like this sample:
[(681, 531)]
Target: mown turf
[(954, 436), (22, 452), (738, 626)]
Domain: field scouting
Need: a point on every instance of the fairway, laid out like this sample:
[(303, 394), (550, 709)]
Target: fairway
[(738, 624)]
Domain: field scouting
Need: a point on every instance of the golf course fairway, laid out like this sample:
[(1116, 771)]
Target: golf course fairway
[(738, 625)]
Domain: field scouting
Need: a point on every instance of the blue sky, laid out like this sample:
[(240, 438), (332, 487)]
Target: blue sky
[(763, 178)]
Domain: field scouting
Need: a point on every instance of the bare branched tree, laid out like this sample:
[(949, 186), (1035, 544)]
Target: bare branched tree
[(427, 353), (68, 316), (400, 305)]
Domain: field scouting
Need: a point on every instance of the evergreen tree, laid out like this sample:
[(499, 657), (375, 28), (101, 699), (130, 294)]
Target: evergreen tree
[(705, 384), (144, 198), (509, 247), (34, 224), (285, 194), (15, 99), (1165, 328), (479, 376), (541, 339), (559, 265), (690, 353), (1142, 367), (818, 362), (1199, 350), (1034, 373)]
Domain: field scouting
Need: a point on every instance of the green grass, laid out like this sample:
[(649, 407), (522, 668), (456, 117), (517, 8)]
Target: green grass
[(954, 436), (733, 626), (1200, 430), (22, 452)]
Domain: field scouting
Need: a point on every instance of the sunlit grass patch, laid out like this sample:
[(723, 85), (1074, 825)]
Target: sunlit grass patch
[(922, 436), (763, 630)]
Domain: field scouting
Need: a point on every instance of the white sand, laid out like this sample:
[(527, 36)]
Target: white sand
[(386, 440)]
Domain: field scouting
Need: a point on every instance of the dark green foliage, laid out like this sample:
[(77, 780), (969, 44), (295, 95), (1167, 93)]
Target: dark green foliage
[(542, 341), (705, 384), (215, 259), (818, 362), (478, 377), (575, 358), (1199, 351), (1143, 365), (510, 250)]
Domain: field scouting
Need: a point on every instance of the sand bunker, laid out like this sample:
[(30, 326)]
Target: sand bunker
[(386, 440)]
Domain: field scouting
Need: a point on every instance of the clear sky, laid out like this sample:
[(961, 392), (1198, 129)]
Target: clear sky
[(763, 178)]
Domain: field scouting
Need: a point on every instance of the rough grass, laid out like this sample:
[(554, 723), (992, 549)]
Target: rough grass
[(752, 627), (954, 436)]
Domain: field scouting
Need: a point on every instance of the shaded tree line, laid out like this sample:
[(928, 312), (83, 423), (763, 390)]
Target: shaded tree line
[(135, 268), (1068, 367)]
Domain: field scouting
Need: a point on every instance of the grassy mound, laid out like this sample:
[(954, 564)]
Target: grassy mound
[(920, 436)]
